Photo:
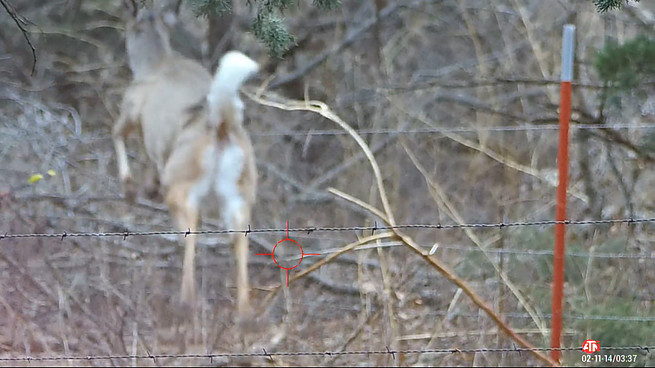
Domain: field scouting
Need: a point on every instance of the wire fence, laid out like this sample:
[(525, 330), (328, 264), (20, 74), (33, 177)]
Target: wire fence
[(437, 130), (372, 229), (550, 316), (508, 315), (432, 130), (518, 252), (387, 351)]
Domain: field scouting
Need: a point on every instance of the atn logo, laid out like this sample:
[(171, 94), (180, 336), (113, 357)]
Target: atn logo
[(590, 346)]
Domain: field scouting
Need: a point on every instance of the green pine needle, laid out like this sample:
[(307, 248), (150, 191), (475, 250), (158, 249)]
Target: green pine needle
[(270, 29), (604, 5), (327, 4), (268, 26), (210, 8)]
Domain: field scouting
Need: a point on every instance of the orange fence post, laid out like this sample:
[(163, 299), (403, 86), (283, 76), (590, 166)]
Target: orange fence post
[(563, 168)]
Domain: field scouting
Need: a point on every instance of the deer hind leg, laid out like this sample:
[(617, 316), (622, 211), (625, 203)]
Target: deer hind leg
[(186, 216), (236, 215), (122, 128), (238, 218)]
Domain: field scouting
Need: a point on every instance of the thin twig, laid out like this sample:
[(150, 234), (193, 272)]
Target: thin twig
[(350, 39), (433, 185), (477, 300), (322, 109), (324, 261), (495, 156), (19, 20)]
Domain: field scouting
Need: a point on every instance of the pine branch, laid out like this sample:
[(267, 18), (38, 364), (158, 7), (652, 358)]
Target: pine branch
[(605, 5), (268, 25), (270, 29), (210, 8)]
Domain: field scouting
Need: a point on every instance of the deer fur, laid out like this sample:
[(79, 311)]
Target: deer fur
[(193, 134)]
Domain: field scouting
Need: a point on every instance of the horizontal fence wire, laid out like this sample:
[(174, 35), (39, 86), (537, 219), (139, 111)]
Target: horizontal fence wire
[(308, 230), (519, 252), (509, 315), (432, 130), (550, 316), (266, 354), (550, 253), (436, 130)]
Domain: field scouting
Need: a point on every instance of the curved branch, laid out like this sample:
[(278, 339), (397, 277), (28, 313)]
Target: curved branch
[(19, 22), (386, 214)]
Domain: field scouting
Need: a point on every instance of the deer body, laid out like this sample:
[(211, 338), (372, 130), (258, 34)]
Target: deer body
[(212, 161), (192, 127), (161, 99), (165, 85)]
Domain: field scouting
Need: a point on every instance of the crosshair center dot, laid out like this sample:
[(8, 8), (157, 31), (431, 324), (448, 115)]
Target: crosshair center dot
[(287, 254)]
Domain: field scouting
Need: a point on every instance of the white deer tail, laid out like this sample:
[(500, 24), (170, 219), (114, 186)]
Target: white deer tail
[(225, 106)]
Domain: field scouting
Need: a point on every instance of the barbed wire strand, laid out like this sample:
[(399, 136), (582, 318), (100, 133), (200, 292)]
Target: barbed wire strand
[(267, 354), (250, 230), (429, 130), (548, 316), (432, 130), (432, 226), (584, 318), (550, 253), (520, 252), (590, 317)]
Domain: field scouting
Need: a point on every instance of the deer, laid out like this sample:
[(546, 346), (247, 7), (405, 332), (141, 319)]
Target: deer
[(192, 130)]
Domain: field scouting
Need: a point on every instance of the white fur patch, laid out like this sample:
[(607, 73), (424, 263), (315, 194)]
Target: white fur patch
[(230, 167), (222, 171), (233, 70)]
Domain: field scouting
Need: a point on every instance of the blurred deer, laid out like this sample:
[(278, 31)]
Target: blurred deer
[(192, 126)]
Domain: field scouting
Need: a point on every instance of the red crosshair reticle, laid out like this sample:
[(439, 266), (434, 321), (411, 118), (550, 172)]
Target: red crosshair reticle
[(287, 239)]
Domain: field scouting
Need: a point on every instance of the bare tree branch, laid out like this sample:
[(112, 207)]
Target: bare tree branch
[(349, 40), (20, 21)]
